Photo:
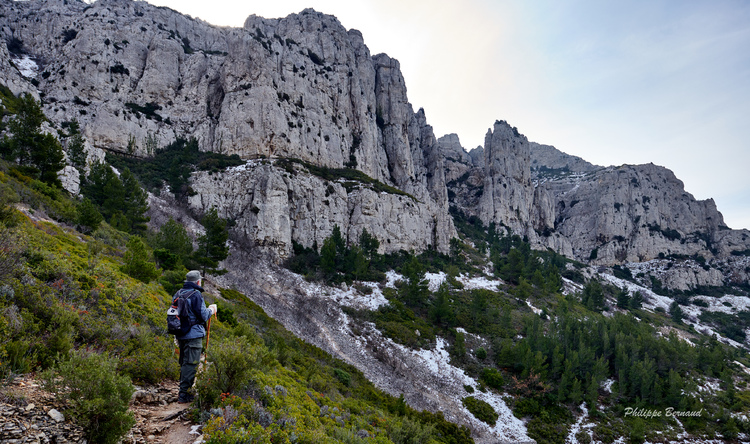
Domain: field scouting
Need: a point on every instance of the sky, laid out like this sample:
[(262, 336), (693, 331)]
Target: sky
[(662, 81)]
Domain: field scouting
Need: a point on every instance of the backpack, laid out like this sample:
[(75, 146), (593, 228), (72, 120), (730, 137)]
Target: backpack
[(178, 315)]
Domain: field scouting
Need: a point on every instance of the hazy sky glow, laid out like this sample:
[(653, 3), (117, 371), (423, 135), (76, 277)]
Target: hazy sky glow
[(662, 81)]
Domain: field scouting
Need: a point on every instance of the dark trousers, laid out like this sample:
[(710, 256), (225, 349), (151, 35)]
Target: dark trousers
[(190, 354)]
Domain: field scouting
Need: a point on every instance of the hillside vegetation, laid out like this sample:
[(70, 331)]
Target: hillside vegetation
[(84, 287)]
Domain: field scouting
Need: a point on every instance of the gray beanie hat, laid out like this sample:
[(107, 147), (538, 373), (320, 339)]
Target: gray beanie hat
[(193, 276)]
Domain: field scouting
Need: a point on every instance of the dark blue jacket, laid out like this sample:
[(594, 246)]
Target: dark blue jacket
[(199, 312)]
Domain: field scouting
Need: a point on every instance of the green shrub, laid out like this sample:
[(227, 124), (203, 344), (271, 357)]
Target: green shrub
[(493, 378), (583, 437), (343, 376), (136, 261), (172, 280), (97, 395), (481, 354), (406, 431), (547, 431), (149, 358), (481, 410), (232, 362), (19, 356)]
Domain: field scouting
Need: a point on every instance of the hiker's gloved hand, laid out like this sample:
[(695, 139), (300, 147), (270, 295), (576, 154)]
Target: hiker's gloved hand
[(213, 308)]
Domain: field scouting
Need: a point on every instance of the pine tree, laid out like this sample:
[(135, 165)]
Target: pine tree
[(593, 296), (135, 201), (636, 302), (675, 311), (576, 393), (89, 217), (359, 263), (76, 151), (623, 299), (592, 394), (328, 256), (369, 244), (441, 312), (212, 246), (459, 347), (113, 205), (25, 127), (47, 156), (173, 238), (136, 261), (93, 187), (40, 153)]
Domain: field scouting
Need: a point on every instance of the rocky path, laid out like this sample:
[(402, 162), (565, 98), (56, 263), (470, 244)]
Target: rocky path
[(29, 415)]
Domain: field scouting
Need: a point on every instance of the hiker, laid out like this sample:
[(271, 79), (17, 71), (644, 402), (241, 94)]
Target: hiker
[(191, 343)]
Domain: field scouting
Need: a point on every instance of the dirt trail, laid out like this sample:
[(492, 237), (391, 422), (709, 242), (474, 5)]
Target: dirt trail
[(160, 419)]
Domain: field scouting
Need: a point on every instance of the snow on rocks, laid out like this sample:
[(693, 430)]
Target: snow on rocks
[(348, 296), (249, 165), (534, 309), (726, 304), (571, 287), (508, 428), (742, 366), (435, 280), (26, 66), (580, 426), (652, 301), (437, 361), (710, 386), (471, 283), (391, 277)]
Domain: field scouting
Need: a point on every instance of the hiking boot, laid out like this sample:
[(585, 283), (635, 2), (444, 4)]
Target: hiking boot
[(185, 398)]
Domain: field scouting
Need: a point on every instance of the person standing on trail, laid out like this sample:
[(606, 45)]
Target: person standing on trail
[(191, 343)]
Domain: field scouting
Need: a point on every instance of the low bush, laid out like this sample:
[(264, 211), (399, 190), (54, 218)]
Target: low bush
[(481, 410), (493, 378), (406, 431), (232, 361), (97, 395), (148, 358)]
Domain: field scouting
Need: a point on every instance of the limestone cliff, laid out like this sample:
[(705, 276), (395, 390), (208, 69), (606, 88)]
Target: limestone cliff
[(547, 160), (305, 88), (136, 77), (509, 198), (636, 213)]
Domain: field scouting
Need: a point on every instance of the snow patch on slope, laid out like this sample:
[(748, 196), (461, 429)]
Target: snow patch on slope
[(348, 297), (437, 361), (434, 280), (27, 66)]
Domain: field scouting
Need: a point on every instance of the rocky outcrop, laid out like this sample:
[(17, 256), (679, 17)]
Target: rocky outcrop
[(635, 213), (546, 160), (509, 198), (457, 160), (274, 205)]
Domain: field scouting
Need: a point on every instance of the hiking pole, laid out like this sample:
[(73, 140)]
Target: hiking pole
[(208, 337)]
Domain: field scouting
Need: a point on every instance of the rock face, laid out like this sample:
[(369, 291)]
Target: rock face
[(548, 159), (303, 87), (509, 198), (137, 77), (275, 205), (636, 213)]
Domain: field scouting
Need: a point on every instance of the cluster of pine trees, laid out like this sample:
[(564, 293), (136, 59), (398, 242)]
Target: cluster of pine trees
[(38, 154), (117, 197)]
